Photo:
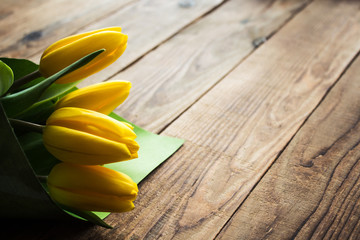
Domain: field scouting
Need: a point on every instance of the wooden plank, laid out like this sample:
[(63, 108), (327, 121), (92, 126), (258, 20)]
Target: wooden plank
[(148, 23), (257, 21), (248, 121), (28, 27), (312, 190), (239, 23), (143, 22), (235, 131), (167, 81)]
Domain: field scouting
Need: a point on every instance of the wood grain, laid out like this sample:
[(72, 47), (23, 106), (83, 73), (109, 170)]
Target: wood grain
[(168, 80), (312, 190), (28, 27), (238, 126), (237, 129), (143, 21), (238, 23), (148, 24)]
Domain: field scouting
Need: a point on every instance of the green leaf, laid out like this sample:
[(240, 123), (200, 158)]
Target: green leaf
[(41, 110), (55, 90), (40, 159), (15, 103), (38, 112), (20, 67), (6, 77)]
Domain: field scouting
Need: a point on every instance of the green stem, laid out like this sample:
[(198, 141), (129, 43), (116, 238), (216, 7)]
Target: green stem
[(25, 79), (42, 179), (16, 123)]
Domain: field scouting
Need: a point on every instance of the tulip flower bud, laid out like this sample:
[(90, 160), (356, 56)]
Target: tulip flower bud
[(68, 50), (91, 188), (87, 137), (102, 97)]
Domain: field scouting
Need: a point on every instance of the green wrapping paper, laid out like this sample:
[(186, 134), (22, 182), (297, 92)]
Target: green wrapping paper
[(22, 195), (23, 156)]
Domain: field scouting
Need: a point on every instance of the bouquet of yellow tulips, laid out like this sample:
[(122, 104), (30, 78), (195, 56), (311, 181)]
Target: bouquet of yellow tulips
[(62, 148)]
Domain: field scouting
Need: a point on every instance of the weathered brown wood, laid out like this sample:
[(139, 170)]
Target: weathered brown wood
[(49, 21), (250, 116), (236, 130), (148, 24), (167, 81), (312, 190), (28, 27), (241, 23)]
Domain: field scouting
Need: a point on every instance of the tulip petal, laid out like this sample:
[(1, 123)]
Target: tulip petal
[(74, 146), (92, 122), (70, 39), (113, 42), (87, 137), (92, 188), (106, 181), (87, 203), (102, 97)]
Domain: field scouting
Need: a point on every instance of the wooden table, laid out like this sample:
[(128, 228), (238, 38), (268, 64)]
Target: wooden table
[(265, 93)]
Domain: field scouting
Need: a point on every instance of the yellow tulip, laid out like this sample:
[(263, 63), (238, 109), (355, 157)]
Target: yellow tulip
[(91, 188), (102, 97), (87, 137), (68, 50)]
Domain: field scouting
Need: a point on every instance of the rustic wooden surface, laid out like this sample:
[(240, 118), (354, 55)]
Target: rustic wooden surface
[(265, 93)]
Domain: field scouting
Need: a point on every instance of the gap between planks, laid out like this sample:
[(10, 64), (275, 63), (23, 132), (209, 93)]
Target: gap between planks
[(257, 10), (133, 62), (166, 81), (270, 216), (187, 126), (143, 22), (256, 46), (29, 29), (80, 29), (346, 69), (295, 86)]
